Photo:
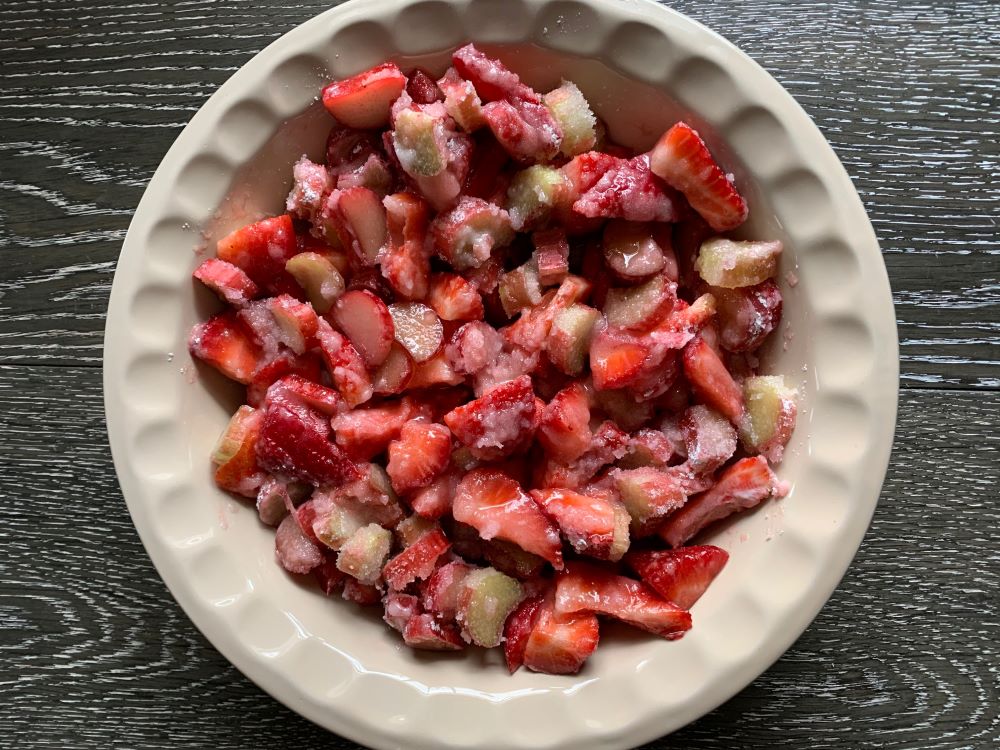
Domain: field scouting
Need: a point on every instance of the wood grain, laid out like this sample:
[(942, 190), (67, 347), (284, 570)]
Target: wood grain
[(95, 652)]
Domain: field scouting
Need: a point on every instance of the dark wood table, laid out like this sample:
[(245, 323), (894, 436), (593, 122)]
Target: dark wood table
[(96, 654)]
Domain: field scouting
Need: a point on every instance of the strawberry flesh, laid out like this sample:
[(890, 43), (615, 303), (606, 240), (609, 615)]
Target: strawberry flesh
[(682, 575)]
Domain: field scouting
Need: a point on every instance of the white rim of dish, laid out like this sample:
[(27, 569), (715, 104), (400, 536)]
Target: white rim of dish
[(857, 382)]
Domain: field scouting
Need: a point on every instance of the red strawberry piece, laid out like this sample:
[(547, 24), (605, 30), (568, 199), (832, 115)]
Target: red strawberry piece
[(345, 364), (495, 424), (531, 330), (513, 362), (709, 438), (261, 250), (560, 644), (517, 629), (294, 440), (648, 448), (296, 322), (586, 170), (628, 190), (588, 523), (440, 592), (361, 593), (294, 387), (236, 454), (311, 184), (435, 371), (473, 347), (367, 431), (347, 149), (228, 281), (650, 495), (496, 506), (399, 609), (286, 362), (394, 374), (294, 550), (680, 576), (374, 174), (426, 633), (564, 431), (327, 575), (489, 159), (454, 298), (746, 316), (743, 485), (305, 516), (366, 321), (369, 279), (710, 380), (223, 342), (466, 235), (363, 101), (607, 445), (422, 88), (434, 500), (419, 455), (526, 130), (587, 588), (405, 263), (417, 561), (616, 357), (683, 160), (492, 79), (551, 255)]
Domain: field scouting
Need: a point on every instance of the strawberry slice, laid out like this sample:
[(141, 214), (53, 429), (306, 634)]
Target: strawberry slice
[(363, 101), (492, 79), (426, 633), (710, 380), (311, 184), (743, 485), (709, 438), (346, 366), (747, 315), (525, 129), (586, 588), (324, 400), (440, 592), (434, 500), (682, 159), (616, 357), (365, 432), (235, 454), (497, 507), (405, 263), (261, 250), (417, 561), (294, 440), (608, 444), (284, 363), (560, 644), (473, 347), (466, 235), (628, 190), (454, 298), (294, 551), (517, 630), (421, 453), (551, 255), (228, 281), (564, 431), (461, 101), (422, 88), (499, 422), (399, 608), (680, 576), (362, 594), (593, 526), (224, 342)]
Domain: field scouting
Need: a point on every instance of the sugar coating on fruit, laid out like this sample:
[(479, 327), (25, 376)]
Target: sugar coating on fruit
[(737, 263), (576, 120)]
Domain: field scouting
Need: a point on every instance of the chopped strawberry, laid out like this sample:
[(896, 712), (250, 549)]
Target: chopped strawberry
[(347, 149), (224, 342), (564, 431), (492, 79), (311, 184), (465, 235), (587, 588), (642, 307), (497, 423), (648, 448), (366, 321), (367, 431), (308, 366), (487, 176), (435, 371), (426, 633), (399, 608), (294, 440), (346, 366), (589, 524), (440, 592), (261, 250), (434, 500), (362, 594), (747, 315), (417, 561), (527, 130), (294, 550), (616, 357), (473, 347), (419, 455), (560, 644), (628, 190), (743, 485), (454, 298), (422, 88), (228, 281), (607, 445), (517, 630), (650, 495), (711, 381), (497, 507), (682, 575), (363, 101), (297, 388), (551, 255), (709, 438), (235, 454), (532, 329), (327, 575), (461, 101), (682, 159), (405, 263)]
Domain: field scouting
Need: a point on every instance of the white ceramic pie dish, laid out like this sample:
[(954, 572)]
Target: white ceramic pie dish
[(335, 663)]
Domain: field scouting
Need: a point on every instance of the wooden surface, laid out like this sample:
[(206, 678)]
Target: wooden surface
[(94, 652)]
